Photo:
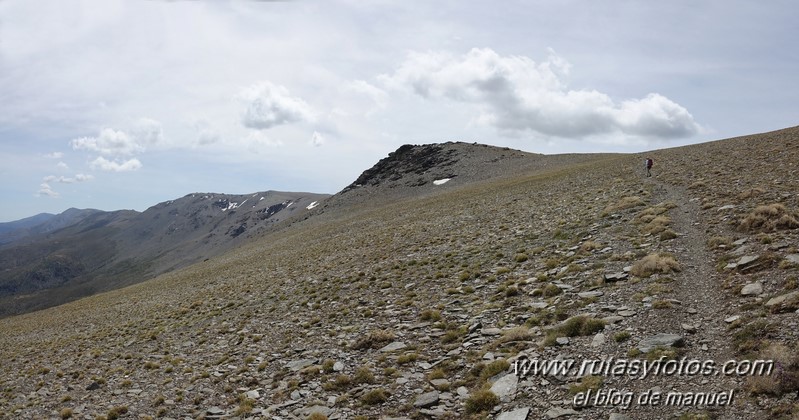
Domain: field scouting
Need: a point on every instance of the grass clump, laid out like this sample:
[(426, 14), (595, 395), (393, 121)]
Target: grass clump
[(431, 315), (576, 326), (481, 401), (768, 218), (751, 337), (623, 204), (375, 397), (374, 339), (588, 382), (494, 368), (621, 336), (783, 377), (655, 263)]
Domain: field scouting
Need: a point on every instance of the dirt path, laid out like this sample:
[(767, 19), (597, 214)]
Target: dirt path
[(704, 307)]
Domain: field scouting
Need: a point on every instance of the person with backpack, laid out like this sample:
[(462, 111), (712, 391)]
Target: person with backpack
[(648, 163)]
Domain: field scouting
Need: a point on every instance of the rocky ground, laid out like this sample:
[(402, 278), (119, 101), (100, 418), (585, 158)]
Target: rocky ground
[(427, 307)]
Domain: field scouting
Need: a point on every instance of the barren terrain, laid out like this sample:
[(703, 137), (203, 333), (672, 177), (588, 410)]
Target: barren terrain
[(417, 300)]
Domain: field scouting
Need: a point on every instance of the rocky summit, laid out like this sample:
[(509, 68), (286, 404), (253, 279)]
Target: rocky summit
[(525, 287)]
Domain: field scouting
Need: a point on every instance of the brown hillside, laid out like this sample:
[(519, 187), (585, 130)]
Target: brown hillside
[(420, 308)]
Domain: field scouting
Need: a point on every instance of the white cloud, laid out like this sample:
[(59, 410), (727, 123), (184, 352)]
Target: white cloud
[(514, 93), (54, 155), (66, 180), (110, 143), (63, 166), (104, 164), (270, 105), (317, 139), (45, 190), (146, 132)]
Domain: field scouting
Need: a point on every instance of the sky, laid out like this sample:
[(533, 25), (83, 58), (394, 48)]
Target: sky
[(122, 104)]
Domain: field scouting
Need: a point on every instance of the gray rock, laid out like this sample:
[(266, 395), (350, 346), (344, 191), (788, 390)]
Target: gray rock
[(463, 392), (612, 319), (518, 414), (612, 277), (338, 367), (320, 409), (752, 289), (727, 207), (627, 313), (688, 328), (562, 341), (660, 340), (558, 412), (617, 416), (592, 294), (491, 331), (253, 394), (779, 300), (747, 260), (539, 305), (505, 387), (215, 411), (732, 319), (792, 258), (298, 365), (397, 345), (426, 400), (440, 383), (599, 340)]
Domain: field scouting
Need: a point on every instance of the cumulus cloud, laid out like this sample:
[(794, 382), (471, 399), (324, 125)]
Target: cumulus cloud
[(68, 180), (54, 155), (146, 132), (46, 191), (515, 93), (104, 164), (269, 105), (63, 166), (110, 142)]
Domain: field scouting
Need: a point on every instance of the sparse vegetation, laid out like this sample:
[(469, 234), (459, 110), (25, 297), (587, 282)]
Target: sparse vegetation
[(480, 401), (768, 218), (655, 263)]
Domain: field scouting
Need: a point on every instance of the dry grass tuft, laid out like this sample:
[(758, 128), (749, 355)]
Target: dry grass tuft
[(769, 218), (480, 401), (373, 340), (655, 263), (784, 377), (623, 204)]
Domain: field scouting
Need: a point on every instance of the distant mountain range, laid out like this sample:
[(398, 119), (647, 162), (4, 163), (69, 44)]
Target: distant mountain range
[(47, 259)]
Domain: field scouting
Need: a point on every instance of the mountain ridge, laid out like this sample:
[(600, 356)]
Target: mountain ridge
[(81, 252), (406, 305)]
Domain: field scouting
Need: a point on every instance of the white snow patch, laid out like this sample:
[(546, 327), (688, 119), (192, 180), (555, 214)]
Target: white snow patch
[(441, 181), (312, 205), (261, 198)]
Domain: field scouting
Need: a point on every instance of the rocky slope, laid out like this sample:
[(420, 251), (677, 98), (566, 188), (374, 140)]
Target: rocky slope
[(82, 252), (421, 306)]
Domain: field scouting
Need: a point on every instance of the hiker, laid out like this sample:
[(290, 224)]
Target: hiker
[(648, 163)]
